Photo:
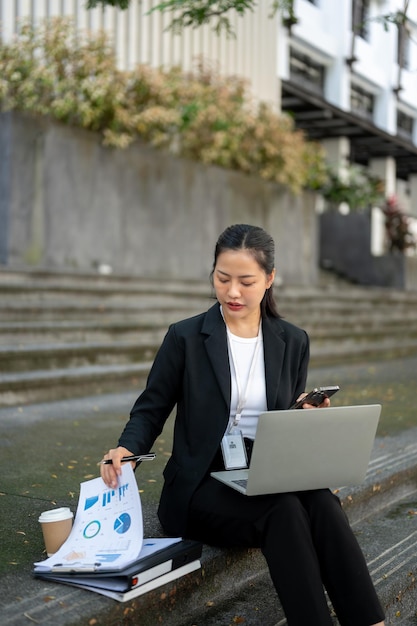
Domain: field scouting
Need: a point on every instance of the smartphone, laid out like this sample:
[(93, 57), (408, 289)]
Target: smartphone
[(316, 396)]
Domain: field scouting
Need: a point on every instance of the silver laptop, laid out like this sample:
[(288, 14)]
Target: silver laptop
[(296, 450)]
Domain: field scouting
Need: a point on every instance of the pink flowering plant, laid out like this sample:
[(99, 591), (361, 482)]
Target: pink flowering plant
[(400, 237)]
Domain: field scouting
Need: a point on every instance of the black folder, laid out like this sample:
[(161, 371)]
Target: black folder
[(144, 570)]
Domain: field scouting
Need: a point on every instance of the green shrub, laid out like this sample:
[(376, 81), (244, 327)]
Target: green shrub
[(357, 187), (55, 71)]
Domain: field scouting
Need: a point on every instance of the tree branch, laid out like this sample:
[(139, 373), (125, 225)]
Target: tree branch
[(195, 13)]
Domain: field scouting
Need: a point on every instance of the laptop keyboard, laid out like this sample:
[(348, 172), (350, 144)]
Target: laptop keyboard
[(242, 482)]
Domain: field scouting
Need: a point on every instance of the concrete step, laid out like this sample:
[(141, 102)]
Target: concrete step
[(144, 344), (77, 311), (233, 586), (32, 286), (104, 298), (88, 332), (348, 352), (71, 355), (65, 279), (20, 333), (47, 385), (50, 356), (354, 333), (342, 288), (289, 303), (98, 311), (44, 385)]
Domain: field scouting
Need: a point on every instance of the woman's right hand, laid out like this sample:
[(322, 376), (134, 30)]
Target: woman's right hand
[(110, 472)]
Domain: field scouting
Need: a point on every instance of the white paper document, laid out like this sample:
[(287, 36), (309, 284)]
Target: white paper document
[(107, 534)]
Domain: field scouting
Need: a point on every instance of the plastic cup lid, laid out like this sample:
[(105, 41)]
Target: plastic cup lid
[(56, 515)]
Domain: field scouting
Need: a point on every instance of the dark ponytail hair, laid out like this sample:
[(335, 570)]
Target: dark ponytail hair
[(260, 245)]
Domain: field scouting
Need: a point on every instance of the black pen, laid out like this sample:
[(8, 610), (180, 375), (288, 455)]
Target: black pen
[(135, 457)]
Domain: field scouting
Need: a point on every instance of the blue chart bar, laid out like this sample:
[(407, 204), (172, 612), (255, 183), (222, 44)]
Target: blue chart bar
[(107, 496)]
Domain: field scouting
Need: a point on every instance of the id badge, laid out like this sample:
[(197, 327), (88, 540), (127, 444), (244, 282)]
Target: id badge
[(234, 451)]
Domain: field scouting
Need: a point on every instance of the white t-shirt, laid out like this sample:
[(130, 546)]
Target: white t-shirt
[(243, 352)]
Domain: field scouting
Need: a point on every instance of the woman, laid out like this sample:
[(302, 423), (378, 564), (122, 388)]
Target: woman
[(222, 369)]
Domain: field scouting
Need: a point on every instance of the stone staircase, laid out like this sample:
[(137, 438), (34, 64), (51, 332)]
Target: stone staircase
[(66, 335), (70, 334)]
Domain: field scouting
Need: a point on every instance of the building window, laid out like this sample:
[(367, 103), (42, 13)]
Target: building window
[(361, 101), (403, 46), (304, 70), (360, 18), (405, 124)]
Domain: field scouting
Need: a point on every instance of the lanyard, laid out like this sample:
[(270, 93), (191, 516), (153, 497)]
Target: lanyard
[(242, 393)]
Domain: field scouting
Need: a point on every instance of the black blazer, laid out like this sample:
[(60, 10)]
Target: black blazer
[(191, 370)]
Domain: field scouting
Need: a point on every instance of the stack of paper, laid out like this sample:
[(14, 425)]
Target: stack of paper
[(106, 551)]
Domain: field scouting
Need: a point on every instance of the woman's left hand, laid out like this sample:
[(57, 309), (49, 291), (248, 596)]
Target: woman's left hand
[(324, 404)]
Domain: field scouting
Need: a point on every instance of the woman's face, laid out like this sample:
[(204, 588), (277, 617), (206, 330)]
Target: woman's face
[(240, 283)]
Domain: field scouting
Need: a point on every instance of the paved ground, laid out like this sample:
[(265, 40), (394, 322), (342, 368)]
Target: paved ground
[(390, 383), (48, 449)]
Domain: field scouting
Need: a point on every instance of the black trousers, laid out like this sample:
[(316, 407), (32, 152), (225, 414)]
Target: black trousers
[(307, 542)]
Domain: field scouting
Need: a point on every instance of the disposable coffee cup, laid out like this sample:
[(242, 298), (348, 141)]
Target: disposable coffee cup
[(56, 527)]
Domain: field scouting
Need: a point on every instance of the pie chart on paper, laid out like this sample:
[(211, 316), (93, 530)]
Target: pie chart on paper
[(122, 523)]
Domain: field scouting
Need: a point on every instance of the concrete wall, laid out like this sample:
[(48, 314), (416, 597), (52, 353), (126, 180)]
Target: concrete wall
[(410, 273), (345, 248), (68, 202)]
